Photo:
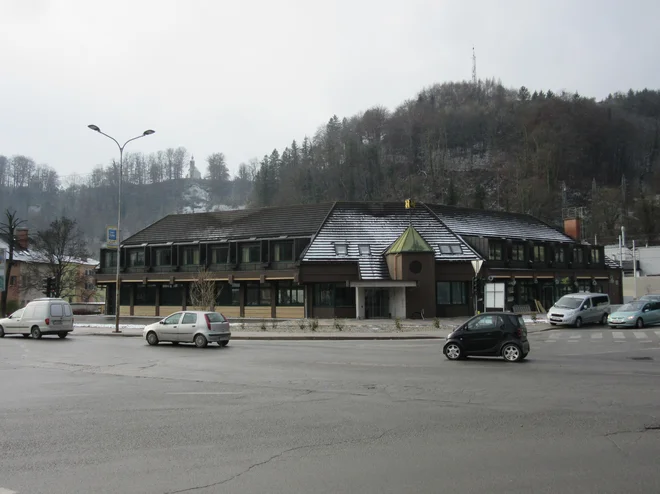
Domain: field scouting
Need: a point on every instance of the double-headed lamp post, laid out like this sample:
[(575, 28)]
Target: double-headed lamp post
[(121, 166)]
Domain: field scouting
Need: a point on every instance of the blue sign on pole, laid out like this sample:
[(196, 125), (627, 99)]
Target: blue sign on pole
[(111, 236)]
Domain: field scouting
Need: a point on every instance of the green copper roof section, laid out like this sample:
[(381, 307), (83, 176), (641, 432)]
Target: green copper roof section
[(409, 241)]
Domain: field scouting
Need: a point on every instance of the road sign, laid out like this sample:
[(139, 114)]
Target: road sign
[(111, 237)]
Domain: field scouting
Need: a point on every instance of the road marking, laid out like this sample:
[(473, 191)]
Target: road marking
[(201, 393), (597, 336), (575, 337), (618, 335), (658, 333), (7, 491), (640, 335), (554, 336)]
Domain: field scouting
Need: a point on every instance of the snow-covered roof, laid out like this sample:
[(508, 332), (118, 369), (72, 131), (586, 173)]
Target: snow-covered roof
[(31, 256)]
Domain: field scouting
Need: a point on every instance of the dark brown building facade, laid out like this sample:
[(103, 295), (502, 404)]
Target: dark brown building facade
[(353, 259)]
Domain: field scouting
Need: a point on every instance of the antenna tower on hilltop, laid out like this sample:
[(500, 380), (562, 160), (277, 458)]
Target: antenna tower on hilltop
[(474, 67)]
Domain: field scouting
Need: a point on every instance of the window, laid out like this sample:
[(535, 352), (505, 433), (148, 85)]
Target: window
[(190, 256), (146, 295), (257, 294), (495, 251), (484, 323), (365, 250), (189, 318), (344, 296), (601, 300), (56, 310), (456, 249), (173, 319), (445, 249), (251, 253), (125, 294), (341, 249), (163, 257), (578, 255), (539, 253), (228, 294), (67, 310), (518, 252), (560, 255), (12, 281), (219, 254), (136, 257), (110, 258), (215, 317), (289, 293), (283, 251), (451, 292), (324, 294), (171, 295), (595, 256)]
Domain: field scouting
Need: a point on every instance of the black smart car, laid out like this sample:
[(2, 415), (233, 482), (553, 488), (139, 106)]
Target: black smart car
[(491, 334)]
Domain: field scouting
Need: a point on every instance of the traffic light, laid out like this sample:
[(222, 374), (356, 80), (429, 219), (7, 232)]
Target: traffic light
[(48, 286)]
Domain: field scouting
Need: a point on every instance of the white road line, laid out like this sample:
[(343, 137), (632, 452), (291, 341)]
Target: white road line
[(575, 337), (640, 335), (596, 336), (7, 491), (554, 336), (658, 333), (618, 335), (201, 393)]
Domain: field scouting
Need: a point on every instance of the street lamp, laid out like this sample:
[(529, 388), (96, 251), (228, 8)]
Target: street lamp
[(148, 132)]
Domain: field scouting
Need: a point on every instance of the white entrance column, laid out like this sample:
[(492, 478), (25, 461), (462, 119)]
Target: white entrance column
[(359, 302)]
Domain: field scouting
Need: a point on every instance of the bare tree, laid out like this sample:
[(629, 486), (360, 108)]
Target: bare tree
[(57, 253), (203, 292), (8, 230)]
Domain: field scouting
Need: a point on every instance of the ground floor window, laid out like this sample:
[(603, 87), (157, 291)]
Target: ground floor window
[(451, 292), (145, 295), (125, 294), (333, 295), (290, 293), (171, 295), (257, 293), (228, 294)]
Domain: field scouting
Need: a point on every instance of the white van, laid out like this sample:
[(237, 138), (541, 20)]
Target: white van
[(577, 309), (39, 317)]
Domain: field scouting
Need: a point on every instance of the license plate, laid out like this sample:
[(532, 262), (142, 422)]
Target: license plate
[(57, 323)]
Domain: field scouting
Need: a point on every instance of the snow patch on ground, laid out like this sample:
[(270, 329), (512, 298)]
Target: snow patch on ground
[(109, 326)]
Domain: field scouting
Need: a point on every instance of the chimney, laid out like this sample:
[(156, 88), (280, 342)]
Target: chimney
[(573, 228), (22, 238)]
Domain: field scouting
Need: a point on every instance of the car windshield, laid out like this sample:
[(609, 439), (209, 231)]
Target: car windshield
[(650, 297), (17, 314), (631, 307), (215, 317), (569, 302)]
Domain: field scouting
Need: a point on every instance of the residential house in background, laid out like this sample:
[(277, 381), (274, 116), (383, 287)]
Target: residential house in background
[(355, 260)]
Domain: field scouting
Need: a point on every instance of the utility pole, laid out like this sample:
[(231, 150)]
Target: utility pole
[(635, 267), (474, 68)]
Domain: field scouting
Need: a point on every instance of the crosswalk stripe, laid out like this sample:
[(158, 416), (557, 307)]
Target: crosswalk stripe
[(658, 333), (596, 336), (640, 335), (575, 337), (618, 335)]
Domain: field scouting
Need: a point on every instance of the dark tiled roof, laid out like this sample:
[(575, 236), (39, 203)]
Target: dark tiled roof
[(478, 222), (378, 225), (303, 220)]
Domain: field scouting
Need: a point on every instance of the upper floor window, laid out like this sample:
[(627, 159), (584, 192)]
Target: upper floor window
[(136, 257), (578, 255), (250, 253), (190, 256), (341, 249), (518, 252), (595, 256), (283, 251), (163, 257), (495, 251), (539, 253), (365, 250), (219, 254), (560, 255), (110, 258)]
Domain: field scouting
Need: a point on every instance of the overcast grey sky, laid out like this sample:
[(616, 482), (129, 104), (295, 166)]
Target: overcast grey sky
[(244, 77)]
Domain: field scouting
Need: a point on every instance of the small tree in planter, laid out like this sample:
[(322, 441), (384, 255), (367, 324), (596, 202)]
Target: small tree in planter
[(203, 291)]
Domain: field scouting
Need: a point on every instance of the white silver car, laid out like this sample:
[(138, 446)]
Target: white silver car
[(42, 316), (198, 327)]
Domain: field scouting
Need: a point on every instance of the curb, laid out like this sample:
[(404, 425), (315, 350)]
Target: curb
[(298, 337)]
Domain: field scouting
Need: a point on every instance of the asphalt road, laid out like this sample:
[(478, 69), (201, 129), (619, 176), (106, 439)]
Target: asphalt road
[(95, 414)]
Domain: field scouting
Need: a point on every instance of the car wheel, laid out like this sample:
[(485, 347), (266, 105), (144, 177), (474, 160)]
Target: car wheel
[(578, 322), (62, 334), (200, 341), (640, 323), (603, 319), (453, 351), (511, 353), (2, 332), (152, 338), (36, 333), (223, 343)]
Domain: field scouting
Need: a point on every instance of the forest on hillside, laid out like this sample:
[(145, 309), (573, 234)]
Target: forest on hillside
[(478, 145)]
